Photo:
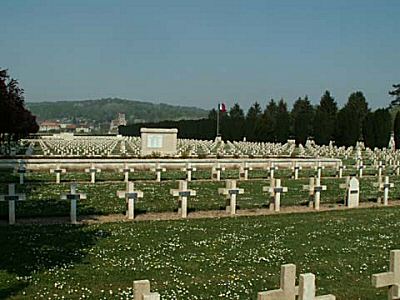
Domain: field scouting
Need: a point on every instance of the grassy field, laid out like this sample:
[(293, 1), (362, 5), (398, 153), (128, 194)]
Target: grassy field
[(229, 258)]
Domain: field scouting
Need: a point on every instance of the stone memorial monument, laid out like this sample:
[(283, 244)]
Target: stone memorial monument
[(158, 141)]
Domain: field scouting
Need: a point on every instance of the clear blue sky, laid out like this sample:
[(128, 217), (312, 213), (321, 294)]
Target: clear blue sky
[(201, 52)]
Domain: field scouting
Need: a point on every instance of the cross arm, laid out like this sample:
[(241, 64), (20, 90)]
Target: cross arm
[(266, 189), (127, 170), (174, 192), (58, 170), (185, 169), (179, 193), (121, 194), (139, 194), (320, 188), (326, 297), (223, 191), (382, 279), (15, 197), (270, 295), (384, 185)]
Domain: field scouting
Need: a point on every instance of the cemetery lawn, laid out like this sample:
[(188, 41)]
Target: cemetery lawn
[(227, 258)]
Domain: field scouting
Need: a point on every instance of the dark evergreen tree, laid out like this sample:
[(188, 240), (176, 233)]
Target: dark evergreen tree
[(233, 125), (377, 127), (252, 122), (347, 133), (302, 118), (359, 106), (369, 130), (282, 126), (383, 127), (267, 125), (236, 112), (350, 119), (325, 119)]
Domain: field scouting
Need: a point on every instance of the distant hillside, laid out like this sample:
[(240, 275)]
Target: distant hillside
[(104, 110)]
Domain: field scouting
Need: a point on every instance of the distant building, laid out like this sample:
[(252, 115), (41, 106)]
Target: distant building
[(51, 126), (119, 121), (83, 128), (47, 126)]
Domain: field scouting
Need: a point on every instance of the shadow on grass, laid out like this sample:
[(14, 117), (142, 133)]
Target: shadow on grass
[(140, 211), (28, 249)]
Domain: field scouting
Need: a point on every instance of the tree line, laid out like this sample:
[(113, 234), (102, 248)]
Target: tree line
[(16, 121), (323, 123)]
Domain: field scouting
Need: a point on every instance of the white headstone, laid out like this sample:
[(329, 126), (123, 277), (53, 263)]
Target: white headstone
[(353, 193)]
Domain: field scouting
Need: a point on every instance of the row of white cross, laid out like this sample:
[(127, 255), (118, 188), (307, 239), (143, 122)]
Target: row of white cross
[(231, 191), (306, 290), (216, 171)]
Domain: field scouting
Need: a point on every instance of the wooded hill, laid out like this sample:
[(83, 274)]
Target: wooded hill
[(104, 110)]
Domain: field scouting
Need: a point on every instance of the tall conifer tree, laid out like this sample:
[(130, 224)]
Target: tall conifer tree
[(325, 118)]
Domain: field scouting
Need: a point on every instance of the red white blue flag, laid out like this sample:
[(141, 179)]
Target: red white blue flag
[(222, 107)]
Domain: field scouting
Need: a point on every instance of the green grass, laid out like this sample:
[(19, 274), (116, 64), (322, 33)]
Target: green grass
[(229, 258)]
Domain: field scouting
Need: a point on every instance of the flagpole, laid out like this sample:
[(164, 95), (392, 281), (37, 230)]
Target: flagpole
[(218, 120)]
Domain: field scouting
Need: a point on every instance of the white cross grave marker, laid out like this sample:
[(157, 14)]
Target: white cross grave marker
[(287, 290), (244, 171), (319, 167), (21, 171), (385, 186), (272, 168), (315, 188), (397, 168), (182, 193), (296, 168), (339, 170), (92, 170), (58, 171), (310, 188), (231, 192), (390, 279), (307, 288), (126, 170), (11, 198), (380, 168), (130, 196), (73, 196), (189, 169), (141, 290), (158, 169), (360, 168), (216, 172), (276, 190)]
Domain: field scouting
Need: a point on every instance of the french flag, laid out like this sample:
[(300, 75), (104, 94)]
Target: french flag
[(222, 107)]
